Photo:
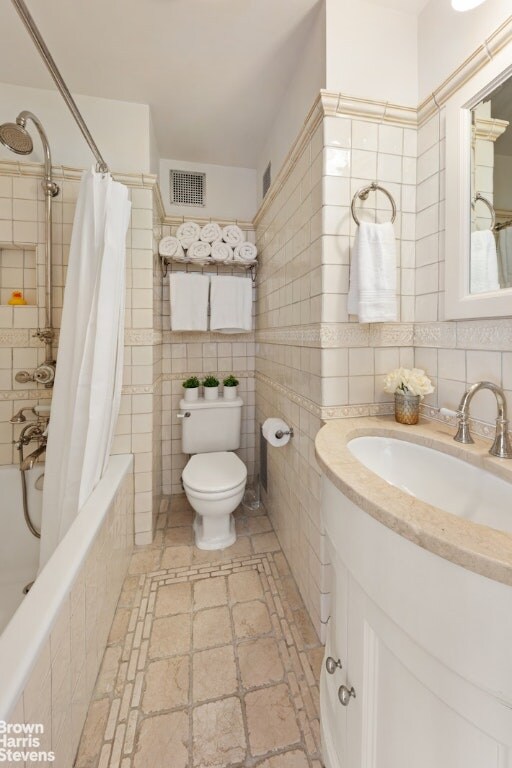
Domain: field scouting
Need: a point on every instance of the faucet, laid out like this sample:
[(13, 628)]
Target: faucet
[(501, 446), (31, 432), (32, 458)]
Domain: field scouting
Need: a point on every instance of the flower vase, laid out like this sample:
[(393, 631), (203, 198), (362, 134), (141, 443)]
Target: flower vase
[(230, 393), (191, 393), (407, 408)]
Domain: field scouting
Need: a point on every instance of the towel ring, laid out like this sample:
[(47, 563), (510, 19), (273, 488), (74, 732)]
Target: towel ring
[(490, 206), (362, 194)]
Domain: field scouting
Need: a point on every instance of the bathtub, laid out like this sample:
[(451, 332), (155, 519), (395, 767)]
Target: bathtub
[(52, 645)]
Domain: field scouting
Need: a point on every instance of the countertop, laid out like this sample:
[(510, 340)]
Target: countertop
[(478, 548)]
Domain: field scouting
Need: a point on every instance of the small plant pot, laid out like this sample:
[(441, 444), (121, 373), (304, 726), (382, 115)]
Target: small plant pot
[(211, 393), (407, 408), (191, 393), (230, 393)]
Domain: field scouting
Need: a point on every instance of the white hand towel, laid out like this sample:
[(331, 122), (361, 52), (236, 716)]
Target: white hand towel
[(230, 304), (484, 262), (189, 301), (372, 294), (171, 248), (222, 252), (246, 252), (199, 251), (188, 233), (233, 235), (210, 233)]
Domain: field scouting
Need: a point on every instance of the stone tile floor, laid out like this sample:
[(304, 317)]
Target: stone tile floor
[(212, 660)]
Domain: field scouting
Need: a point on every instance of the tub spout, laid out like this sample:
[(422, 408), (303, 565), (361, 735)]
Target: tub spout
[(32, 458)]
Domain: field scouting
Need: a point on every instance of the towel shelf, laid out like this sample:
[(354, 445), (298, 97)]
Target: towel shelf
[(362, 194), (209, 262)]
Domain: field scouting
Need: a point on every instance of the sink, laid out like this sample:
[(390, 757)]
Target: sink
[(436, 478)]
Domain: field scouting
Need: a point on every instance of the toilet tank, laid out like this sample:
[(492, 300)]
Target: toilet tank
[(213, 425)]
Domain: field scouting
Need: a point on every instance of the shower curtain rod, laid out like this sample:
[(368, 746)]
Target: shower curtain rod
[(34, 33)]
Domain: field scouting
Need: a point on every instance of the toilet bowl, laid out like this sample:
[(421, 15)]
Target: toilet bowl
[(214, 484)]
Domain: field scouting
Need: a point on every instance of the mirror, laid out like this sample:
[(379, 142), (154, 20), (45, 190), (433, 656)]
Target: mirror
[(491, 191), (478, 164)]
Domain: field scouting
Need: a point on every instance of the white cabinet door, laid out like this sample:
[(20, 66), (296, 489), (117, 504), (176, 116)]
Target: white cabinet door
[(410, 711)]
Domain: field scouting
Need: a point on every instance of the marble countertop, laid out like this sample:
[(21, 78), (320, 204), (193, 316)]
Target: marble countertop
[(484, 550)]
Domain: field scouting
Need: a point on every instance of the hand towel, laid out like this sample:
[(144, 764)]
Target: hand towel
[(210, 233), (189, 301), (505, 257), (233, 235), (246, 252), (222, 252), (484, 262), (171, 248), (199, 251), (372, 294), (188, 233), (230, 304)]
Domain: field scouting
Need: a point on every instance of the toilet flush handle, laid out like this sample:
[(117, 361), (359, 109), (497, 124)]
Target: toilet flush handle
[(183, 415)]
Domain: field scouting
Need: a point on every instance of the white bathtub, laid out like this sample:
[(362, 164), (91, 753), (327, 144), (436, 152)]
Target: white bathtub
[(52, 646), (19, 549)]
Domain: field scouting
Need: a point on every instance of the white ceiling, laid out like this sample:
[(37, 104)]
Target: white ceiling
[(406, 6), (212, 71)]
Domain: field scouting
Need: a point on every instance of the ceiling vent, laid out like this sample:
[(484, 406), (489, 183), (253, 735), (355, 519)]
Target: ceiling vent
[(187, 188), (266, 180)]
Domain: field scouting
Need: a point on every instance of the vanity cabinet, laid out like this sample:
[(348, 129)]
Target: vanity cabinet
[(424, 643)]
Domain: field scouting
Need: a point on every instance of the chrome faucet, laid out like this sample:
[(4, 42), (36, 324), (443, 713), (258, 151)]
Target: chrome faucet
[(501, 446)]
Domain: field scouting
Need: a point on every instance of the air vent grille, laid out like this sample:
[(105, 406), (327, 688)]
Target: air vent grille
[(187, 188), (267, 180)]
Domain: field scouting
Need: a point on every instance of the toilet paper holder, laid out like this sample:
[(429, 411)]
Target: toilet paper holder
[(281, 433)]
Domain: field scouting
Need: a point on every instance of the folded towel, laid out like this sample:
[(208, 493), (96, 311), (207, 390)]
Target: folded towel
[(505, 257), (246, 252), (230, 304), (199, 251), (233, 235), (372, 294), (188, 233), (221, 251), (484, 262), (171, 248), (189, 301), (210, 233)]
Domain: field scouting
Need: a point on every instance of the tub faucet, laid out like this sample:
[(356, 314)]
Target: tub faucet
[(501, 446), (32, 458)]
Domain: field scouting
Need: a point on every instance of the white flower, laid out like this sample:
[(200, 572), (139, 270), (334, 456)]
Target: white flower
[(414, 381)]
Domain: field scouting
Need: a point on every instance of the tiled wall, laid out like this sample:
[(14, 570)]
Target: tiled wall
[(22, 230), (197, 354), (59, 689)]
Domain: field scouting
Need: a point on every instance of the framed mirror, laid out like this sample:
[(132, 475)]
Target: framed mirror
[(479, 194)]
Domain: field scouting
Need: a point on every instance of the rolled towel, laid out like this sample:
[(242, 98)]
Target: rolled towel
[(233, 235), (222, 252), (199, 251), (210, 233), (188, 233), (246, 252), (171, 248)]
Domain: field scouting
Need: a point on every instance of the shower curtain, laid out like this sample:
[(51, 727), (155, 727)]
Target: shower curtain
[(87, 389)]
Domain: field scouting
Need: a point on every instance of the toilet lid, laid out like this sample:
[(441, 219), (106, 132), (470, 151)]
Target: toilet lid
[(214, 472)]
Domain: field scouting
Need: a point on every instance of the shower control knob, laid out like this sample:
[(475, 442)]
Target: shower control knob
[(332, 665), (345, 694), (44, 374), (23, 377)]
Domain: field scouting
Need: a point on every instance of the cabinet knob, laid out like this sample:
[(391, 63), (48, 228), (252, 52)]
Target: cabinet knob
[(332, 665), (345, 694)]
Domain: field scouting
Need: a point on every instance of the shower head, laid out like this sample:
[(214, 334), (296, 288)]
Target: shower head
[(16, 138)]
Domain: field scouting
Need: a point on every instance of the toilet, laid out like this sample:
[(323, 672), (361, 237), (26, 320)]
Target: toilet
[(214, 478)]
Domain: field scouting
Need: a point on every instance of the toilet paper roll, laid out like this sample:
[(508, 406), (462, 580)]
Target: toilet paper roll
[(269, 429)]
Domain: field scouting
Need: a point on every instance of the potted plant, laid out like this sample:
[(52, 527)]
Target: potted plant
[(211, 388), (230, 387), (191, 387), (409, 387)]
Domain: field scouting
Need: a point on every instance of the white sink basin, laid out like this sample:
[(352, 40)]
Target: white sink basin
[(438, 479)]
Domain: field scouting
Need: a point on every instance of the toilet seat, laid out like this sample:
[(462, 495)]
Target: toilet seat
[(214, 473)]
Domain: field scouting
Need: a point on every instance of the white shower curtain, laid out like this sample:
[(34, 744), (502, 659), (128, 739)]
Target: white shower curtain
[(87, 390)]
